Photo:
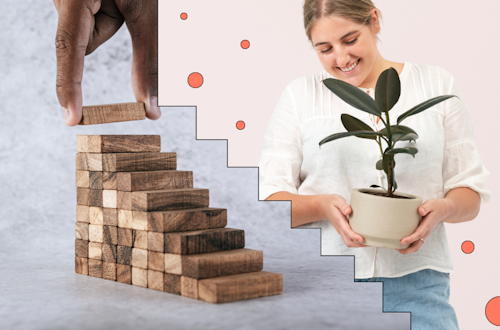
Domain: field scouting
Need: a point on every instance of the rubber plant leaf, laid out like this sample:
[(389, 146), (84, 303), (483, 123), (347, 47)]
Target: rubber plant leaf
[(352, 124), (387, 90), (424, 106), (406, 150), (346, 134), (352, 95)]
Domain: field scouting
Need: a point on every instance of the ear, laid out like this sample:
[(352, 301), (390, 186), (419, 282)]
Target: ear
[(375, 21)]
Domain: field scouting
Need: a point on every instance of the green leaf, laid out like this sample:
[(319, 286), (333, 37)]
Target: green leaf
[(380, 165), (352, 95), (404, 137), (401, 133), (346, 134), (424, 106), (388, 90), (406, 150), (352, 124)]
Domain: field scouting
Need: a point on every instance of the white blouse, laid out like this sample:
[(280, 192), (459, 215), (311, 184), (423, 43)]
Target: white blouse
[(447, 158)]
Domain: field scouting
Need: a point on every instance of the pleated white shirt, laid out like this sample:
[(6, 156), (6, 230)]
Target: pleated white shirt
[(447, 158)]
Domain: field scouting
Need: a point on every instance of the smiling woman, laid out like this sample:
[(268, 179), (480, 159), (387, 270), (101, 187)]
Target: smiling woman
[(447, 172)]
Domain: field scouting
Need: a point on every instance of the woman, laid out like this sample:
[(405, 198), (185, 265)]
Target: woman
[(447, 172)]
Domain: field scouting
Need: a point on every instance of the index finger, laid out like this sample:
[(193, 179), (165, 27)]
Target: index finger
[(72, 37)]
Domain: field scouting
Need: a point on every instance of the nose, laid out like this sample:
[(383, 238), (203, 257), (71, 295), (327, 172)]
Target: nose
[(343, 57)]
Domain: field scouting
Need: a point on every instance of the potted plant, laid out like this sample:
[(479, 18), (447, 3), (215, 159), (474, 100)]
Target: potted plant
[(382, 217)]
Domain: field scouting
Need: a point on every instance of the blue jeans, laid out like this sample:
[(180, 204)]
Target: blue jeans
[(425, 294)]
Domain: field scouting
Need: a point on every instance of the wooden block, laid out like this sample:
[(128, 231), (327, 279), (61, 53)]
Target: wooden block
[(96, 233), (112, 113), (185, 220), (89, 197), (81, 162), (127, 162), (155, 280), (124, 200), (110, 235), (125, 219), (82, 231), (81, 248), (140, 277), (110, 217), (95, 268), (156, 261), (81, 266), (154, 180), (164, 200), (95, 250), (155, 241), (110, 199), (82, 214), (89, 162), (222, 263), (189, 287), (118, 143), (96, 215), (239, 287), (172, 283), (123, 255), (124, 274), (109, 271), (173, 263), (140, 220), (204, 241), (82, 179), (125, 237), (140, 239), (109, 180), (109, 253), (139, 258)]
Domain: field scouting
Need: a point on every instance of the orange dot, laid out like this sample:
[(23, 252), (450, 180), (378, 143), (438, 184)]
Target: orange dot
[(493, 311), (195, 80), (240, 125), (245, 44), (467, 247), (184, 16)]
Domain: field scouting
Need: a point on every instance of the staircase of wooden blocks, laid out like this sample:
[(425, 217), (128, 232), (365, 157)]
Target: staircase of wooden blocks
[(139, 221)]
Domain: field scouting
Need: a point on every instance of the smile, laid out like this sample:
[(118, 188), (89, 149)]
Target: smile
[(351, 67)]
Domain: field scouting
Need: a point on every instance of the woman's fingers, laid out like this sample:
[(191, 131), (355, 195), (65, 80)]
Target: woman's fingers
[(349, 236)]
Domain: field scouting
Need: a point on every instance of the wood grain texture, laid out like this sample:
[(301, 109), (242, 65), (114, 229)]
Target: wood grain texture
[(124, 274), (239, 287), (222, 263), (96, 233), (109, 253), (118, 143), (172, 283), (81, 266), (164, 200), (109, 271), (204, 241), (140, 277), (140, 239), (173, 263), (139, 258), (95, 250), (81, 248), (156, 261), (89, 197), (139, 220), (125, 219), (110, 235), (88, 162), (96, 215), (88, 179), (155, 280), (110, 217), (155, 241), (186, 220), (125, 237), (82, 214), (95, 268), (110, 199), (109, 180), (189, 287), (124, 200), (123, 255), (132, 162), (112, 113), (154, 180), (82, 231)]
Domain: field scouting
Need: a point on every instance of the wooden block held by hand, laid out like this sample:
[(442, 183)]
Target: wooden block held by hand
[(117, 143), (204, 241), (112, 113)]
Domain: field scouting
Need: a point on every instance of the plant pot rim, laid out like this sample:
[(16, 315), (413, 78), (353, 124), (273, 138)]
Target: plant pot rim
[(397, 193)]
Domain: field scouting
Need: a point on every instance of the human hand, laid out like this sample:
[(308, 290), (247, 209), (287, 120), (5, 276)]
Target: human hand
[(433, 211), (83, 26), (335, 209)]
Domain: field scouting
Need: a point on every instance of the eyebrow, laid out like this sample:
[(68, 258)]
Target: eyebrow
[(345, 36)]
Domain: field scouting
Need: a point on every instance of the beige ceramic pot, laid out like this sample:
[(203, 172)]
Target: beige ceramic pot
[(384, 221)]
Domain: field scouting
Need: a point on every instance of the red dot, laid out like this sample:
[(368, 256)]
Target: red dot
[(195, 80), (493, 311), (184, 16), (245, 44), (467, 247), (240, 125)]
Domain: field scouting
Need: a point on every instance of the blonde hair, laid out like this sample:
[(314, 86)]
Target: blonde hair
[(359, 11)]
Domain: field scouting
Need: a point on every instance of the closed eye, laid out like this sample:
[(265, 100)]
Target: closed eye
[(347, 42)]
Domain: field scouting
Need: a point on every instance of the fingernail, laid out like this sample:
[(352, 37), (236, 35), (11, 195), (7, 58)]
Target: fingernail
[(425, 212), (404, 242), (65, 113), (346, 210)]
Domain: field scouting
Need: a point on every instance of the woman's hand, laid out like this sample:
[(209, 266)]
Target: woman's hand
[(433, 212), (335, 209)]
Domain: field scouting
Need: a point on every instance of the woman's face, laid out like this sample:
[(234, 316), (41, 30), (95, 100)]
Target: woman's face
[(341, 44)]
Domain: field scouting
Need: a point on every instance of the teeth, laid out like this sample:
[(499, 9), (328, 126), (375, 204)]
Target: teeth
[(352, 67)]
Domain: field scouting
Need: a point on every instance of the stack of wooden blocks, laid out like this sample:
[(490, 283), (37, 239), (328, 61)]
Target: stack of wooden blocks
[(141, 222)]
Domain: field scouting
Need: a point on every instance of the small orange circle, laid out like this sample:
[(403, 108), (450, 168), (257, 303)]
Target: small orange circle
[(240, 125), (493, 311), (245, 44), (195, 80), (184, 16), (467, 247)]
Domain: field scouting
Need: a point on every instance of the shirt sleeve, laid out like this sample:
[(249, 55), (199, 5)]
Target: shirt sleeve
[(281, 157), (462, 165)]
